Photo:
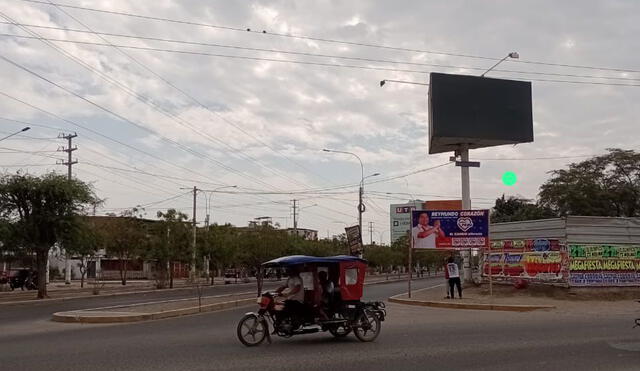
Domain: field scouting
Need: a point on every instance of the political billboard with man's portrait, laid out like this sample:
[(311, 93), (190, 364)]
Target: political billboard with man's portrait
[(447, 229)]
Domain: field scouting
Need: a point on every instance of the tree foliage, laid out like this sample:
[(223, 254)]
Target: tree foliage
[(514, 209), (41, 209), (125, 237), (607, 185), (169, 243), (81, 241)]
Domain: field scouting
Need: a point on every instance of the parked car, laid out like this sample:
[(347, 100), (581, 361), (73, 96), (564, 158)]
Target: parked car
[(231, 274)]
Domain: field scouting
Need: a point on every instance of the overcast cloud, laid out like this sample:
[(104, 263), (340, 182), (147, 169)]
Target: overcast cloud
[(261, 124)]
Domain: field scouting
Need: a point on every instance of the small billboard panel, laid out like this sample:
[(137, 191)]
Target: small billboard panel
[(354, 239), (450, 229)]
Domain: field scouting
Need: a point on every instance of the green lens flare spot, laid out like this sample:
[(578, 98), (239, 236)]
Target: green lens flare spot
[(509, 178)]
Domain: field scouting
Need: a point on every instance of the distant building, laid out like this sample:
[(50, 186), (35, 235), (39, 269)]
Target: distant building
[(400, 218), (307, 234)]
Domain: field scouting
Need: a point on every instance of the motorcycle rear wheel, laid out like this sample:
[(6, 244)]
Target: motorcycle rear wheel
[(252, 330)]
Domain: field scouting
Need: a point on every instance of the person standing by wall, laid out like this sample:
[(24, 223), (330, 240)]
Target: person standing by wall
[(454, 277), (446, 279)]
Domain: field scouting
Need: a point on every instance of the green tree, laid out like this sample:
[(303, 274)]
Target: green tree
[(607, 185), (513, 209), (41, 209), (125, 237), (10, 250), (220, 244), (82, 241), (171, 243), (258, 245)]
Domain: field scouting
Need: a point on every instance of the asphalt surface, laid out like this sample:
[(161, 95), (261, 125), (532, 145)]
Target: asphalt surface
[(412, 338)]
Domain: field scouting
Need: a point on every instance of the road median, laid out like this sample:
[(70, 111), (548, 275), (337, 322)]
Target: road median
[(427, 298), (155, 310), (167, 308)]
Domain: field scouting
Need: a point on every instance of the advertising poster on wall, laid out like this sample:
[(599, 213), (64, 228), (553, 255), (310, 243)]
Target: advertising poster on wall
[(542, 260), (447, 229), (604, 265)]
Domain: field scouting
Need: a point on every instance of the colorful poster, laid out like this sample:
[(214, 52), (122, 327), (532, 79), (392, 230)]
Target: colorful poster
[(604, 265), (447, 229), (542, 260), (354, 239)]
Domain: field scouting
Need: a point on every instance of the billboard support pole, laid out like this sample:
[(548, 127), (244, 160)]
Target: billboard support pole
[(409, 276), (466, 200), (489, 258)]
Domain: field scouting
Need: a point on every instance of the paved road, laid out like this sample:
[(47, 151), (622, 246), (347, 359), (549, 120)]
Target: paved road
[(412, 338)]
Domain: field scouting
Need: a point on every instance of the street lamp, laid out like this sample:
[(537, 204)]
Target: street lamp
[(513, 55), (361, 207), (16, 133), (208, 200), (383, 82)]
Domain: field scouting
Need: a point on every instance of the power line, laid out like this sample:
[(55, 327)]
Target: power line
[(198, 102), (103, 166), (148, 102), (101, 135), (327, 40), (321, 64), (142, 99), (238, 47)]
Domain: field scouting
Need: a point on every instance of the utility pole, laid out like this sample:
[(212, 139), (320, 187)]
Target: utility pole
[(69, 149), (193, 242), (193, 253), (295, 218), (69, 163), (370, 233)]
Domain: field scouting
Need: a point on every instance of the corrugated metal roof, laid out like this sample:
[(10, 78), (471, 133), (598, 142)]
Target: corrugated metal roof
[(544, 228), (596, 229), (576, 229)]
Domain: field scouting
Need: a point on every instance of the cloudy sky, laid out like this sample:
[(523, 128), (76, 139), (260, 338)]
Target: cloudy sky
[(181, 95)]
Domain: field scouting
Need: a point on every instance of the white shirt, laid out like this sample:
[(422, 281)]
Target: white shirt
[(428, 242), (452, 269), (292, 282)]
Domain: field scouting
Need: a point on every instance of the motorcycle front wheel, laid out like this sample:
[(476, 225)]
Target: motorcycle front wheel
[(367, 326), (252, 330)]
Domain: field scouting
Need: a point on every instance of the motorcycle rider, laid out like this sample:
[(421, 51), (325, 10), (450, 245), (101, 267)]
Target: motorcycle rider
[(293, 291)]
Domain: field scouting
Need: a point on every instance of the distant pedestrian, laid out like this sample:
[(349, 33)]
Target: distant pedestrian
[(453, 273), (446, 279)]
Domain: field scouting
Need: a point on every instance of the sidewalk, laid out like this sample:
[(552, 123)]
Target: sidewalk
[(475, 298), (507, 298)]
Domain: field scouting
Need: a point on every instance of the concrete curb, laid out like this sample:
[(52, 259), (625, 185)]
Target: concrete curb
[(133, 292), (117, 293), (472, 306), (88, 316), (95, 315)]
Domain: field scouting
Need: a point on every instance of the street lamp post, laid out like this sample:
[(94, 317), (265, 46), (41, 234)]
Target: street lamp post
[(361, 207), (16, 133), (513, 55)]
